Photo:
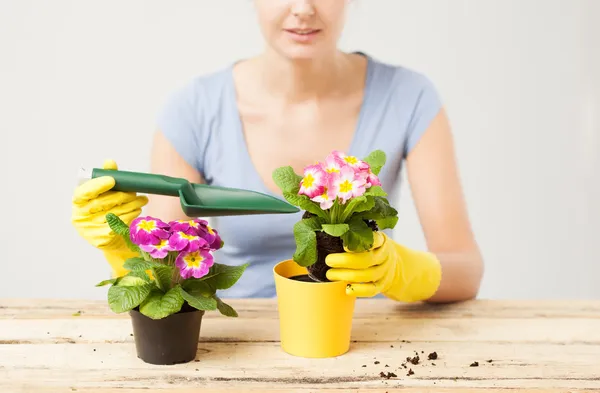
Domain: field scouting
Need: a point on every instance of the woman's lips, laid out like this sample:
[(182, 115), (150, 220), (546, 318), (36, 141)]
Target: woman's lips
[(302, 35)]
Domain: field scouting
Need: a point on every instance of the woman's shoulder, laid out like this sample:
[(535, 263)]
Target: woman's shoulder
[(200, 87), (409, 99), (400, 80)]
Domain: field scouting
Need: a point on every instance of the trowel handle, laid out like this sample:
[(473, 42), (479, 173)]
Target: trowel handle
[(147, 183)]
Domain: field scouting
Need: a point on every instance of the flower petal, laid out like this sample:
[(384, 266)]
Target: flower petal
[(194, 264)]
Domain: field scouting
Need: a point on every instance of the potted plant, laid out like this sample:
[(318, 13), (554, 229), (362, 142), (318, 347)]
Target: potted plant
[(343, 204), (170, 285)]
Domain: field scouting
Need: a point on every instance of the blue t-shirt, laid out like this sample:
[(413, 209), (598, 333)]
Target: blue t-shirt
[(202, 121)]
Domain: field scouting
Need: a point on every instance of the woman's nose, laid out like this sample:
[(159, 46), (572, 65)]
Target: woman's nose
[(303, 8)]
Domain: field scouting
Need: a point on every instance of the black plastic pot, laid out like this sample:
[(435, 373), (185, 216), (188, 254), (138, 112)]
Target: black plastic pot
[(167, 341)]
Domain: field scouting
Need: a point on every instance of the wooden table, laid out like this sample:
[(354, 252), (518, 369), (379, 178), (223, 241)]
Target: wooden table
[(48, 346)]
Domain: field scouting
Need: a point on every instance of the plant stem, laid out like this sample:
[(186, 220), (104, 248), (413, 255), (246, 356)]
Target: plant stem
[(157, 280), (336, 212)]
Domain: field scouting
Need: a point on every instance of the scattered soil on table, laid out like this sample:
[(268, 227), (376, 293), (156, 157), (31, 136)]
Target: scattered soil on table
[(327, 244), (414, 360)]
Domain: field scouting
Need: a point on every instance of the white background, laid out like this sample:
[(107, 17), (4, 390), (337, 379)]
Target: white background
[(82, 81)]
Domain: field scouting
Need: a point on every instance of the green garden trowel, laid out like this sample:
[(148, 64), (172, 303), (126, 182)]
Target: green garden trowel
[(197, 200)]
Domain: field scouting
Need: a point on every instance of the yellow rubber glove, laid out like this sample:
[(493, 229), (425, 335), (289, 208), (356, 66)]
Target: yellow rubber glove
[(389, 268), (92, 200)]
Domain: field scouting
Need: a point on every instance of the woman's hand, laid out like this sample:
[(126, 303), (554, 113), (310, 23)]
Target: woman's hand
[(389, 268), (92, 201)]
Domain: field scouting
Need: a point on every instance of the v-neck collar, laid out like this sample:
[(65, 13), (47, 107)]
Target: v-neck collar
[(246, 159)]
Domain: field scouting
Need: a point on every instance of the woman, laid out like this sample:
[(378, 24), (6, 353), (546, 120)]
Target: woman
[(292, 105)]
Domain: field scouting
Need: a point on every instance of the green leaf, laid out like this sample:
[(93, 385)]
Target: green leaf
[(286, 179), (106, 282), (224, 276), (160, 305), (132, 280), (163, 274), (225, 308), (304, 203), (138, 263), (384, 215), (140, 274), (199, 301), (375, 191), (196, 287), (376, 160), (357, 205), (387, 223), (120, 228), (306, 241), (335, 230), (360, 237), (122, 298)]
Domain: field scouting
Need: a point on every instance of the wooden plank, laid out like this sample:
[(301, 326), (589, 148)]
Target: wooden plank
[(366, 308), (391, 329), (535, 346), (319, 390), (265, 365)]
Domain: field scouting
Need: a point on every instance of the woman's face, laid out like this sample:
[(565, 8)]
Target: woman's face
[(302, 29)]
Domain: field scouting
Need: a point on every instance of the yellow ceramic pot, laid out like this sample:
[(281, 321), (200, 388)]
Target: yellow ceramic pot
[(315, 319)]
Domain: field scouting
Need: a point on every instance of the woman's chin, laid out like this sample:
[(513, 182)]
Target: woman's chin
[(303, 53)]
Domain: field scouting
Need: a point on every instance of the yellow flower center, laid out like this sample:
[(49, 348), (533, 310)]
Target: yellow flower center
[(163, 244), (308, 181), (191, 223), (210, 230), (147, 226), (351, 160), (332, 170), (186, 236), (193, 260), (346, 186)]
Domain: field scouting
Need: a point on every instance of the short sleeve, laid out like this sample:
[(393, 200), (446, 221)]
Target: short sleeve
[(179, 120), (426, 107)]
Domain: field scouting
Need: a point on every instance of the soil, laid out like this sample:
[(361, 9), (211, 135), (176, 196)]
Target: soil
[(303, 278), (327, 244), (414, 360), (388, 375)]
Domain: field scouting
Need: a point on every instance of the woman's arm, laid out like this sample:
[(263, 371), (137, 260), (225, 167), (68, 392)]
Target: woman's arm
[(165, 160), (437, 193)]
